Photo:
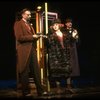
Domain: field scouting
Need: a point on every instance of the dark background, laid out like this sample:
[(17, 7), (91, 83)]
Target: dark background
[(86, 19)]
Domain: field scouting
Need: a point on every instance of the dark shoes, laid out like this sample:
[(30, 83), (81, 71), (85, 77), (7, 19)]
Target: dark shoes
[(26, 94), (45, 93), (70, 91)]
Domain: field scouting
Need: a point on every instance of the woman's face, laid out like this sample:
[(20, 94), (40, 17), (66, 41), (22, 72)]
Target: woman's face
[(56, 26)]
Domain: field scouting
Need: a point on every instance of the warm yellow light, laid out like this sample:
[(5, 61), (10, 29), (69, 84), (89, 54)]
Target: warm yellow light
[(39, 8)]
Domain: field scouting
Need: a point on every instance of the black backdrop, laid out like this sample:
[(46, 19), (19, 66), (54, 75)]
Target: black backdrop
[(85, 17)]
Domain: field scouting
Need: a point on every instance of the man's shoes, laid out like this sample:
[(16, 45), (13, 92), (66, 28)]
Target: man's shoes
[(70, 90), (28, 96), (43, 93)]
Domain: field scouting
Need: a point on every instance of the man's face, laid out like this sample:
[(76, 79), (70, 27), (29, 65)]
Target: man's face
[(26, 15), (69, 24)]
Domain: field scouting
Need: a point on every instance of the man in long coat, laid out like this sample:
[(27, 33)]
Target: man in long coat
[(26, 53), (73, 51)]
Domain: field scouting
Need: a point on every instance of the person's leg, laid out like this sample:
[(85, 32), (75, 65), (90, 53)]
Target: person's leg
[(25, 82), (69, 85), (35, 73), (58, 84), (69, 82)]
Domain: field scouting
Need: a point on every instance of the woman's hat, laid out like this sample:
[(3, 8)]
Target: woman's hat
[(56, 21)]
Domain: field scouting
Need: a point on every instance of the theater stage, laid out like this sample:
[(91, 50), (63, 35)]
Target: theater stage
[(92, 91)]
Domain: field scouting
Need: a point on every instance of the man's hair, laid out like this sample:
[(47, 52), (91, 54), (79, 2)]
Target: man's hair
[(19, 14), (24, 10)]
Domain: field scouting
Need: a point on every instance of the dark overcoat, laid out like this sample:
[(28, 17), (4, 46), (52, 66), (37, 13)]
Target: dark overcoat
[(74, 55), (74, 60), (58, 56), (24, 40)]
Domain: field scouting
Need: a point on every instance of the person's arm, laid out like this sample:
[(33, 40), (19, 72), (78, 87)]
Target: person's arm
[(20, 36)]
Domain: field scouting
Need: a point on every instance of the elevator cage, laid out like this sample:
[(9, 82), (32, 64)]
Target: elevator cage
[(38, 21)]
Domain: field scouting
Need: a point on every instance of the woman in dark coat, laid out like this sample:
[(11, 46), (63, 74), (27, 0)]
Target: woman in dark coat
[(58, 53)]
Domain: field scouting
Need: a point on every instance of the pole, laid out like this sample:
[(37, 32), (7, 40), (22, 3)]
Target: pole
[(46, 29)]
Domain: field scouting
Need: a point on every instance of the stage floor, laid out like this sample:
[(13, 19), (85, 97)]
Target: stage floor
[(86, 92)]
